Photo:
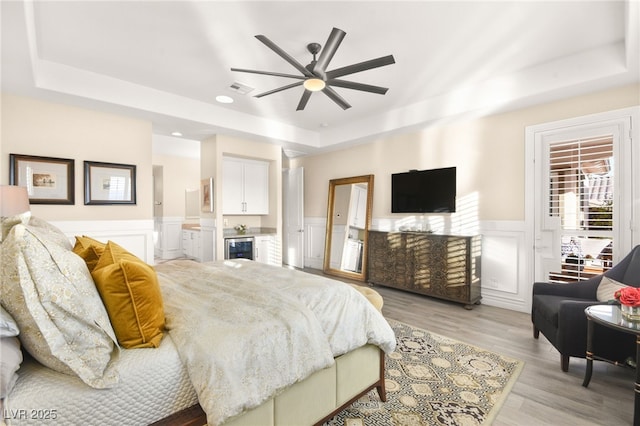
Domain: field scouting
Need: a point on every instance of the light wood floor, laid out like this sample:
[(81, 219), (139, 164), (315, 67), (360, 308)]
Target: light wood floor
[(543, 394)]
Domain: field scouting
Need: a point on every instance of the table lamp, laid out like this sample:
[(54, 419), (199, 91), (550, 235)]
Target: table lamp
[(13, 201)]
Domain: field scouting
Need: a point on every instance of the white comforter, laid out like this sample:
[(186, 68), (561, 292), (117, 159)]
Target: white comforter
[(246, 330)]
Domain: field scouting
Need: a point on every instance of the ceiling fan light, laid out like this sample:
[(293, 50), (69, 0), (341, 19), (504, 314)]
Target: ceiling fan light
[(314, 84)]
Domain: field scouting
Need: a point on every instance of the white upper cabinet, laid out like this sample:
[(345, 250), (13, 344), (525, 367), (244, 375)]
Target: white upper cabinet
[(245, 186)]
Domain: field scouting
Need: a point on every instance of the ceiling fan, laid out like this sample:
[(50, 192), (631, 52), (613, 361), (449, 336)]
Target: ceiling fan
[(315, 76)]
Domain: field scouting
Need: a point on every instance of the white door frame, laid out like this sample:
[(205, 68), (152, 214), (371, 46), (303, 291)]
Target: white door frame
[(629, 158)]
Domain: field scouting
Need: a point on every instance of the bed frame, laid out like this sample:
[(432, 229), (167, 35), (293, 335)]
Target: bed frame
[(312, 401)]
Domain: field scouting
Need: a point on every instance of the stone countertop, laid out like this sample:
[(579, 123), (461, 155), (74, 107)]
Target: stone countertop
[(232, 233), (251, 232), (191, 226)]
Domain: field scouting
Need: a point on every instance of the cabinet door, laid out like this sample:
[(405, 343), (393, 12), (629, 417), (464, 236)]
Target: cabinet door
[(256, 187), (389, 264), (186, 244), (232, 186), (196, 248), (262, 249), (245, 187), (191, 245)]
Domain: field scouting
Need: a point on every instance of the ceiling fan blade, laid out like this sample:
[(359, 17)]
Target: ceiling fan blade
[(303, 100), (280, 89), (329, 49), (361, 66), (284, 55), (358, 86), (335, 97), (277, 74)]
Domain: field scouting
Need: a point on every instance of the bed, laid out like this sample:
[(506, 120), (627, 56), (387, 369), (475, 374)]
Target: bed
[(226, 342)]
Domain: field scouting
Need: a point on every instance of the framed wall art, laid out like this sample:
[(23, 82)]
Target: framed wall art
[(109, 183), (206, 189), (48, 180)]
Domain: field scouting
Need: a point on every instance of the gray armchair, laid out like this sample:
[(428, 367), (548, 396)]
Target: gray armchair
[(557, 311)]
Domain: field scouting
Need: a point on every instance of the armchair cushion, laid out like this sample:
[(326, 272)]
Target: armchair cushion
[(549, 306)]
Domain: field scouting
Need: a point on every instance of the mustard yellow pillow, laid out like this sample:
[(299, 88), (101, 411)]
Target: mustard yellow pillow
[(112, 253), (89, 250), (131, 294)]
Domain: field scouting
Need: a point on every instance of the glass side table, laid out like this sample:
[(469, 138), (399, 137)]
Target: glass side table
[(611, 316)]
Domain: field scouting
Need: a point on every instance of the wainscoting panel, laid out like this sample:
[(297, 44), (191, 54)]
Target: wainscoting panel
[(504, 267), (168, 237), (314, 234), (135, 236)]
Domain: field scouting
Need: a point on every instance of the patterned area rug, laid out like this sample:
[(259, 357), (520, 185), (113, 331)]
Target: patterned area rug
[(435, 380)]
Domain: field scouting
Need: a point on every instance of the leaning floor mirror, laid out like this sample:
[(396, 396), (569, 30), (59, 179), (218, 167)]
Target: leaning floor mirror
[(348, 222)]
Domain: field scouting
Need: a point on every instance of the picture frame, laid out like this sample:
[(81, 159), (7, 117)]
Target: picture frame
[(206, 191), (109, 183), (48, 180)]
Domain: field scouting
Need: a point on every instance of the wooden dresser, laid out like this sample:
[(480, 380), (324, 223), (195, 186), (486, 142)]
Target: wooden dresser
[(443, 266)]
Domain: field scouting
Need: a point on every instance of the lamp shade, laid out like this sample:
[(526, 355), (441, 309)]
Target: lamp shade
[(13, 200)]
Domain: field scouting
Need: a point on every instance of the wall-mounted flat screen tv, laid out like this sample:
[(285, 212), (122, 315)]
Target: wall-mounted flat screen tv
[(424, 191)]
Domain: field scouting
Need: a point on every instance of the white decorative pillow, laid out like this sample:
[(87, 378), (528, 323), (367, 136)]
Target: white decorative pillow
[(607, 289), (49, 292), (50, 232), (6, 223), (8, 326)]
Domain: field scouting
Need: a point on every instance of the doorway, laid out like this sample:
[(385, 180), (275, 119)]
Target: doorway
[(293, 220), (580, 190)]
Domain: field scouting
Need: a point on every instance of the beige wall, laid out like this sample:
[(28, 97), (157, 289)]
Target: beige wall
[(180, 174), (39, 128), (488, 153)]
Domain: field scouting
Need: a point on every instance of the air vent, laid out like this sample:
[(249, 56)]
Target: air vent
[(243, 89), (290, 153)]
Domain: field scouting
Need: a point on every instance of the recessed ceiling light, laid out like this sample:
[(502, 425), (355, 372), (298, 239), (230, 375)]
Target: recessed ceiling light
[(176, 134), (224, 99)]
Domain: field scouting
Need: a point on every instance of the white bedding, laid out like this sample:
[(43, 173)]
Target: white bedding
[(153, 384), (246, 330)]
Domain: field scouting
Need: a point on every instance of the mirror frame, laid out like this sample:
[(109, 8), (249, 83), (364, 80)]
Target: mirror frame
[(327, 269)]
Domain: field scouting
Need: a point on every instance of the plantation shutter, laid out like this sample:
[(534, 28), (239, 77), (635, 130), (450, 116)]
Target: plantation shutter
[(581, 197)]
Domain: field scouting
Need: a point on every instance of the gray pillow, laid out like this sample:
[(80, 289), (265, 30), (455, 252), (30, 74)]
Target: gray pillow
[(10, 360), (8, 326)]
